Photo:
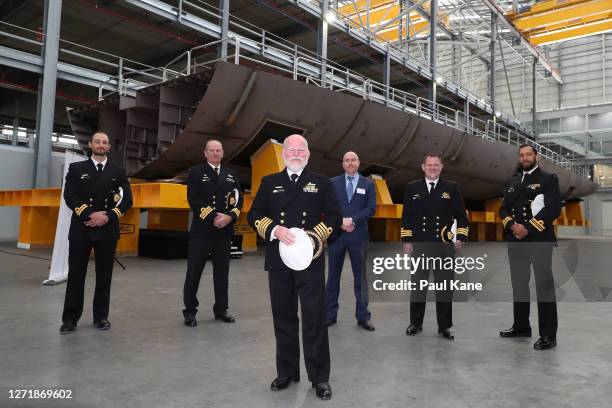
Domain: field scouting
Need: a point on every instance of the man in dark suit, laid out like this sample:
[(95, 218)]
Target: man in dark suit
[(356, 197), (431, 206), (531, 237), (215, 198), (99, 193), (297, 198)]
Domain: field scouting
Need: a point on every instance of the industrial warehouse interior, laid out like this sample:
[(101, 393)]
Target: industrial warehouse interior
[(217, 160)]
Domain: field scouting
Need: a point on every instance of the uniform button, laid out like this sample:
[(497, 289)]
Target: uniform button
[(214, 197), (524, 214), (423, 229), (424, 224), (282, 221), (437, 218), (523, 208), (91, 199), (106, 200), (437, 223), (303, 221), (304, 213), (282, 214)]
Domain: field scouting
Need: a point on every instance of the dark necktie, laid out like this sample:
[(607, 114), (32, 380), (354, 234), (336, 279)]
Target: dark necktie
[(217, 170), (294, 177), (100, 167), (432, 185), (349, 188)]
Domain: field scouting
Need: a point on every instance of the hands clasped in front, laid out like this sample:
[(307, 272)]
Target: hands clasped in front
[(221, 220), (97, 219), (519, 231)]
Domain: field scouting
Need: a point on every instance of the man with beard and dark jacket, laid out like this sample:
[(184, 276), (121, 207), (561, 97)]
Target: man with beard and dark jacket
[(98, 192), (297, 198), (531, 238)]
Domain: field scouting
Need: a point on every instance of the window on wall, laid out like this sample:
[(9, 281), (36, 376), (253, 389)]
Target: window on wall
[(573, 123), (554, 125), (602, 175), (543, 126)]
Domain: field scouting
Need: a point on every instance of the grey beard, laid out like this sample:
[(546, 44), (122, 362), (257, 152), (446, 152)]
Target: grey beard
[(296, 169)]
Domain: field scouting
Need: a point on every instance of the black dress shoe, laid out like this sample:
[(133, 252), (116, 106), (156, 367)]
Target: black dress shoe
[(102, 324), (367, 325), (323, 390), (413, 329), (190, 321), (280, 383), (331, 322), (447, 334), (545, 343), (512, 332), (67, 328), (225, 317)]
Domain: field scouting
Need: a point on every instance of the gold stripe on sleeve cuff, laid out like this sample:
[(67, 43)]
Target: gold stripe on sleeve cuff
[(506, 220), (262, 226), (235, 211), (323, 230), (118, 212), (537, 224), (405, 232), (463, 231), (80, 209), (204, 211)]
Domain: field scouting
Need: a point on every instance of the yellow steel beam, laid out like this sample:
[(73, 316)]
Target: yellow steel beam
[(563, 14), (382, 15), (571, 32), (392, 33), (571, 24), (360, 6), (543, 6)]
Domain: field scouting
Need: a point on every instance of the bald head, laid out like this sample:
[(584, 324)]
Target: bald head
[(295, 153), (350, 163)]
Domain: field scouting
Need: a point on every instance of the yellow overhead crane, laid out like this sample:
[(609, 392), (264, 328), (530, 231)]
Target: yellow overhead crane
[(382, 12), (553, 21)]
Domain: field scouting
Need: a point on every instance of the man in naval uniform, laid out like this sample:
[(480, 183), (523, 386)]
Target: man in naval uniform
[(297, 197), (431, 205), (531, 238), (215, 198), (98, 192)]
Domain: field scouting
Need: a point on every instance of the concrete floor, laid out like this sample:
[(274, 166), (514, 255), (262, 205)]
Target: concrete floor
[(149, 359)]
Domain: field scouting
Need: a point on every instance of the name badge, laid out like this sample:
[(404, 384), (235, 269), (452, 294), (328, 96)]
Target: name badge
[(360, 190)]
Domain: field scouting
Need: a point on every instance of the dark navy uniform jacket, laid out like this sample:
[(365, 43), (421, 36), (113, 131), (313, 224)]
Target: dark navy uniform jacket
[(210, 193), (516, 206), (87, 191), (308, 203), (429, 217)]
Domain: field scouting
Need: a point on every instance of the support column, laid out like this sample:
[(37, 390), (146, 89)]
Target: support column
[(534, 98), (15, 137), (433, 23), (387, 73), (322, 39), (46, 108), (224, 5), (492, 65), (466, 112)]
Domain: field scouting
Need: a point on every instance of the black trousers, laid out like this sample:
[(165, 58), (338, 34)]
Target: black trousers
[(444, 298), (522, 256), (217, 245), (78, 257), (285, 287)]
